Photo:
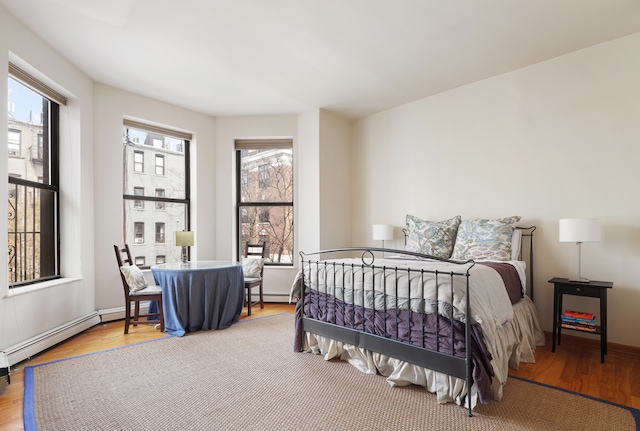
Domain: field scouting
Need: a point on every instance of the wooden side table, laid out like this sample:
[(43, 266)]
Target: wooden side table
[(593, 289)]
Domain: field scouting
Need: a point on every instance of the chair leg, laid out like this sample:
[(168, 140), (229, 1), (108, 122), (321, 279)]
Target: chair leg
[(127, 317), (248, 301), (261, 298), (161, 316), (137, 315)]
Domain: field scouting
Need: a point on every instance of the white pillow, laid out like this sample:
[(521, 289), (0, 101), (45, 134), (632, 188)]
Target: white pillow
[(134, 277), (252, 266)]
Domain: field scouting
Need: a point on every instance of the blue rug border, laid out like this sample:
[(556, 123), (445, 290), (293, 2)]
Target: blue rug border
[(28, 413), (634, 412)]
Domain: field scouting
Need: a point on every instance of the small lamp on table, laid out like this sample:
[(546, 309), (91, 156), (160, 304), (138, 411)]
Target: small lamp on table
[(184, 239), (579, 230)]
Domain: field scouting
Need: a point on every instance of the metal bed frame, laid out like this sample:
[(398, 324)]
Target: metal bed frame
[(456, 366)]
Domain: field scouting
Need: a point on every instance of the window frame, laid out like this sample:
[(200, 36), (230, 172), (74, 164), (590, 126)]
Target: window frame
[(49, 242), (18, 144), (140, 163), (161, 166), (242, 146), (161, 201)]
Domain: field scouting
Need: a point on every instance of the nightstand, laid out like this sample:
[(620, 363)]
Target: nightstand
[(593, 289)]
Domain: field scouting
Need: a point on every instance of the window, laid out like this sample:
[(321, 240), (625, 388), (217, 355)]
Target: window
[(159, 233), (33, 207), (138, 204), (160, 259), (166, 186), (138, 228), (264, 215), (159, 164), (264, 176), (264, 184), (139, 260), (14, 142), (160, 194), (138, 161)]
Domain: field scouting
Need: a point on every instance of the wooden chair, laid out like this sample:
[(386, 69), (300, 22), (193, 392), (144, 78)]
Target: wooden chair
[(149, 293), (255, 251)]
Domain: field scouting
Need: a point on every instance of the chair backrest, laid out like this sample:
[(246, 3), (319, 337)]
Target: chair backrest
[(123, 257), (256, 249)]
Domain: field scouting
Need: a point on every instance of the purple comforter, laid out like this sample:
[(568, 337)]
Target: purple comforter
[(402, 325)]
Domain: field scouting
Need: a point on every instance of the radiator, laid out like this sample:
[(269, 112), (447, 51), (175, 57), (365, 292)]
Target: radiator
[(37, 344)]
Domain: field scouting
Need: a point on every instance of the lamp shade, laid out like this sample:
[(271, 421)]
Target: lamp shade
[(184, 239), (382, 232), (580, 230)]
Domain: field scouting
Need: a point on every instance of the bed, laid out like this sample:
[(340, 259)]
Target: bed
[(404, 313)]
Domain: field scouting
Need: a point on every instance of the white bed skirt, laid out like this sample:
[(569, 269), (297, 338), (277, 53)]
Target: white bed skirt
[(515, 342)]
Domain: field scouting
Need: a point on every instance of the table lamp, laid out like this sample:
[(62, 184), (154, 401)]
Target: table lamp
[(579, 230), (382, 232), (184, 239)]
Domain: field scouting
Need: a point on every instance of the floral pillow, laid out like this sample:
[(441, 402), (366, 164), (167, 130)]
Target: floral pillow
[(485, 239), (430, 237), (134, 277)]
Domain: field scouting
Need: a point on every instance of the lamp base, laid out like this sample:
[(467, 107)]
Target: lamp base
[(185, 255)]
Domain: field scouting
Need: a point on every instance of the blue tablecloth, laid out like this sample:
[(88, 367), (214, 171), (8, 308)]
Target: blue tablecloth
[(199, 295)]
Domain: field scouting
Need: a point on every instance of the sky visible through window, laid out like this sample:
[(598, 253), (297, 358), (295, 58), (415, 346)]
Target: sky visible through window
[(24, 104)]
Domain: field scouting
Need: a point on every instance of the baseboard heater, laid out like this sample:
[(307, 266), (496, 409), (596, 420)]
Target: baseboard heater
[(26, 349)]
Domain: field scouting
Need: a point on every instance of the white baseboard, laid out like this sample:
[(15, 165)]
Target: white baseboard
[(34, 345)]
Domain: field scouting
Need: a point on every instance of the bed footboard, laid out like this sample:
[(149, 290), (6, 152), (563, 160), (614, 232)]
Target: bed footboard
[(414, 313)]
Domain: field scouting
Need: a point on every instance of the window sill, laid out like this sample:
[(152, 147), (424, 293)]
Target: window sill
[(39, 286)]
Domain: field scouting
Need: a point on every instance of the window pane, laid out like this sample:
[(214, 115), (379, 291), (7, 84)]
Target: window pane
[(159, 239), (160, 194), (168, 168), (160, 233), (14, 142), (273, 224), (159, 164), (27, 117), (138, 204), (138, 233), (267, 175), (138, 161), (31, 233)]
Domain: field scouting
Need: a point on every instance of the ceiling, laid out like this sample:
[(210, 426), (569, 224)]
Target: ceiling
[(354, 57)]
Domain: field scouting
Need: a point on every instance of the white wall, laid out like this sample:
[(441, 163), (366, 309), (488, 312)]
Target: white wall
[(335, 178), (554, 140), (277, 281), (26, 312), (111, 106)]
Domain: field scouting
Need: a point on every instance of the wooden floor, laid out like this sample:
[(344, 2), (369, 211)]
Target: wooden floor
[(575, 365)]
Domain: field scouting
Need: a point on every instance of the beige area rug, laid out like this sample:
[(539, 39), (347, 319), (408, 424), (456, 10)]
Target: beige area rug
[(247, 377)]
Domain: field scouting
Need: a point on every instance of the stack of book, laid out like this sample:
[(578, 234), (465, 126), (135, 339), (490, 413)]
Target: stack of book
[(580, 320)]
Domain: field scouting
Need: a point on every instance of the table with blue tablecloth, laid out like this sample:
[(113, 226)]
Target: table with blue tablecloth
[(199, 295)]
